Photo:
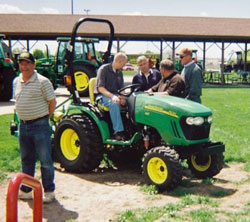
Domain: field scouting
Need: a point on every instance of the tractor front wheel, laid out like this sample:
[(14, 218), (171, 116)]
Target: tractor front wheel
[(205, 166), (161, 167), (78, 145)]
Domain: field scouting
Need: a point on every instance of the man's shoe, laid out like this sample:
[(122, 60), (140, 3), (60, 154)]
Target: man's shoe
[(118, 136), (25, 196), (49, 197)]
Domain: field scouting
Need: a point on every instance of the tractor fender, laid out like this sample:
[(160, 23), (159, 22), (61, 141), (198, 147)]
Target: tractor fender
[(94, 114)]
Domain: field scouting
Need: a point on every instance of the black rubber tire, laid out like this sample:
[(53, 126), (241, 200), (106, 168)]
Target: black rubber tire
[(169, 159), (89, 71), (88, 140), (201, 168), (6, 85)]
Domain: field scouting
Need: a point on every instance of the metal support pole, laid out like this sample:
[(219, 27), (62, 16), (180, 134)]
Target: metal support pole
[(222, 63), (72, 7), (245, 60), (204, 58), (161, 50), (173, 51), (28, 45)]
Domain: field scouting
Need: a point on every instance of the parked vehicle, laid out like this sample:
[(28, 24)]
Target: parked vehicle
[(86, 62), (128, 67), (7, 72)]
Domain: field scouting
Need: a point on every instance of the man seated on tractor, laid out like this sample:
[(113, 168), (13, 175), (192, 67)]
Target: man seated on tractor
[(146, 76), (108, 81), (171, 83)]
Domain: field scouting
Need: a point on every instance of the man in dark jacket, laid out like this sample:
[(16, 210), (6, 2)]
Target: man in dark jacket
[(171, 83), (192, 75), (146, 77)]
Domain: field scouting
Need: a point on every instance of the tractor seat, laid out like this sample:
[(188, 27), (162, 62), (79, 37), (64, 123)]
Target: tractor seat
[(92, 95)]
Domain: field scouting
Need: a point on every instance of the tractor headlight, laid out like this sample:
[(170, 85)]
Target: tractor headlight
[(210, 119), (195, 121)]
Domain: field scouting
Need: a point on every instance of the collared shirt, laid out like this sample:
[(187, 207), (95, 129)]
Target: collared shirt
[(185, 66), (174, 85), (192, 75), (32, 96), (147, 82), (108, 78)]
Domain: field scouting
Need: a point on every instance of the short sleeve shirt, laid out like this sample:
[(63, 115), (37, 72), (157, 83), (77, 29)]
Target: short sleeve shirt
[(109, 79), (32, 96)]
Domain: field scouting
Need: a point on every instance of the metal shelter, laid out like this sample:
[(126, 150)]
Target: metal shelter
[(132, 28)]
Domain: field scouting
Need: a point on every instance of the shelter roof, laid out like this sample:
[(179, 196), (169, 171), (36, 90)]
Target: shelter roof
[(51, 26)]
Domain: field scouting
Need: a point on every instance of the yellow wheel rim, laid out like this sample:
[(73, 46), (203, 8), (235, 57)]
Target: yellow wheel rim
[(82, 81), (157, 170), (70, 144), (200, 166)]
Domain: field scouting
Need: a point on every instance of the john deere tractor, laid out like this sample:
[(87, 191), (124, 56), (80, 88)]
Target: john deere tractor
[(7, 72), (85, 63), (162, 131)]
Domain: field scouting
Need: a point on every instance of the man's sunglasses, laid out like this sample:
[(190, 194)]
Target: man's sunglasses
[(181, 57)]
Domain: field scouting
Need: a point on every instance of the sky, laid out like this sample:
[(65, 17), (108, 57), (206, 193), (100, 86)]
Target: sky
[(202, 8)]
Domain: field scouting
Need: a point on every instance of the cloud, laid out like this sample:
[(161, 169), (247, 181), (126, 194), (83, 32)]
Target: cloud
[(204, 14), (5, 8), (49, 11), (133, 13)]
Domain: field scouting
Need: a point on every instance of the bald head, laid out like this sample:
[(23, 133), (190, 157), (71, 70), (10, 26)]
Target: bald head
[(120, 60)]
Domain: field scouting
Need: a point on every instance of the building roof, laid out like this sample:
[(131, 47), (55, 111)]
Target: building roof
[(50, 26)]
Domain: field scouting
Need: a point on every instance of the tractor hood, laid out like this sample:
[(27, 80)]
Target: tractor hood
[(170, 116), (170, 105)]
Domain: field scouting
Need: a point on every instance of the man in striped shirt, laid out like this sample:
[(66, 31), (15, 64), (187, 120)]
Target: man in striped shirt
[(35, 103)]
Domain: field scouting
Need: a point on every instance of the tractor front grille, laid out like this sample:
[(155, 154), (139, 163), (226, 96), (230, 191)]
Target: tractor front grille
[(175, 130), (195, 132)]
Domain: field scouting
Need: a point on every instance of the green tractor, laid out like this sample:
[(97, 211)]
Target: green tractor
[(162, 131), (7, 72), (85, 61)]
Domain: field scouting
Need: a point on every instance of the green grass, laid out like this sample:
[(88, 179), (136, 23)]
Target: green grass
[(129, 73), (9, 148), (231, 123)]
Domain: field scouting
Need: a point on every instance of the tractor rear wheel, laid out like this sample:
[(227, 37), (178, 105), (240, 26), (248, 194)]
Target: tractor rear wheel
[(161, 167), (83, 74), (6, 80), (78, 144), (205, 166)]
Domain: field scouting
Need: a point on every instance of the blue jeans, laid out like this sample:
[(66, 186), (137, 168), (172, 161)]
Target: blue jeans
[(34, 139), (114, 111)]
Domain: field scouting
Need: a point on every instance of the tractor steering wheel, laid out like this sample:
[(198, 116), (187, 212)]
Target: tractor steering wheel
[(128, 90)]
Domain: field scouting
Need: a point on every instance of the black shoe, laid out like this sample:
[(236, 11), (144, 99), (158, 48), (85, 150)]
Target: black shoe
[(118, 136)]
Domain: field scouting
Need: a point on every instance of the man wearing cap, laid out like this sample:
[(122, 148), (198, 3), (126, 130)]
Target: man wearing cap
[(35, 103), (146, 76), (192, 75), (171, 83)]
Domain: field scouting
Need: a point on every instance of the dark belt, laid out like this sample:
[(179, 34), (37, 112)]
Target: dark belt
[(33, 120)]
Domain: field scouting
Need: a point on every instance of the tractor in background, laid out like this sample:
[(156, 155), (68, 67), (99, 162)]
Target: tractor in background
[(85, 61), (7, 71)]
